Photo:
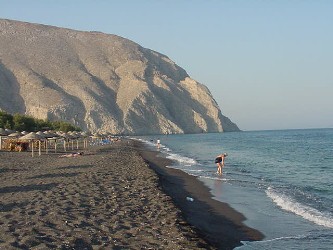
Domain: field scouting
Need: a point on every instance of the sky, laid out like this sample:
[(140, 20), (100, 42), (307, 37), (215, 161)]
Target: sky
[(268, 64)]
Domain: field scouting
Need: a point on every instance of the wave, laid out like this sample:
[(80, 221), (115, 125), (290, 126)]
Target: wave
[(181, 159), (309, 213), (311, 240), (150, 143), (263, 242), (220, 178)]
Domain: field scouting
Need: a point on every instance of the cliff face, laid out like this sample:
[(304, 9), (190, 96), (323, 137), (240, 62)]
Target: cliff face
[(100, 82)]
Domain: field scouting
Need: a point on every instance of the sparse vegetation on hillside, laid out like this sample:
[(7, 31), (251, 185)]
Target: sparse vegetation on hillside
[(26, 123)]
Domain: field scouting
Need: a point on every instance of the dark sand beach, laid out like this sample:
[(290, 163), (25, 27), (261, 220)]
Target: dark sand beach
[(110, 198), (220, 225)]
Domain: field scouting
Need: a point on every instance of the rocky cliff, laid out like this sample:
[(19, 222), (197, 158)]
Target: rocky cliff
[(100, 82)]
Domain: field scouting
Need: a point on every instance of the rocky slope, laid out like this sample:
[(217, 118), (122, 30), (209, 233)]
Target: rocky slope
[(100, 82)]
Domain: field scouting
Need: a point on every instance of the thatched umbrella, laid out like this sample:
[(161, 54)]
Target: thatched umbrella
[(50, 136), (85, 136), (54, 140), (43, 136), (66, 137), (32, 137), (76, 136), (2, 133), (15, 135), (57, 137), (9, 131), (70, 139)]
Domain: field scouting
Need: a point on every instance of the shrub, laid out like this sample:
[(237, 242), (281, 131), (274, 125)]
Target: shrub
[(27, 123)]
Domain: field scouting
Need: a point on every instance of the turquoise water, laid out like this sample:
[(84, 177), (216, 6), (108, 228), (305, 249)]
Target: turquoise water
[(282, 181)]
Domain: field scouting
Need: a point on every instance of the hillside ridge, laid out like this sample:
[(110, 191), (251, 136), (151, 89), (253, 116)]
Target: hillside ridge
[(100, 82)]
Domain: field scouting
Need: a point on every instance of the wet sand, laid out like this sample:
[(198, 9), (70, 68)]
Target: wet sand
[(216, 222), (109, 198)]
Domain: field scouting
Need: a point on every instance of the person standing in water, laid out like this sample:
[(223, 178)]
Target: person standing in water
[(158, 143), (220, 162)]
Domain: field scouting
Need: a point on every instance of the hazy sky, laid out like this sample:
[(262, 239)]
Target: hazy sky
[(268, 64)]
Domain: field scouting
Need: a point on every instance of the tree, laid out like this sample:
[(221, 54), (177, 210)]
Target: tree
[(6, 120), (26, 123), (64, 126)]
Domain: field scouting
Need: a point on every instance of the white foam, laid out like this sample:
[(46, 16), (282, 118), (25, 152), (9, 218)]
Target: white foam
[(181, 159), (175, 167), (195, 170), (150, 143), (217, 177), (262, 244), (311, 214)]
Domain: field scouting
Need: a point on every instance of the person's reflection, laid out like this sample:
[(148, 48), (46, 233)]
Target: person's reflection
[(218, 188)]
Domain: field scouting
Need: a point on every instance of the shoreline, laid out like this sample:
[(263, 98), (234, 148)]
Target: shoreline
[(113, 197), (218, 223)]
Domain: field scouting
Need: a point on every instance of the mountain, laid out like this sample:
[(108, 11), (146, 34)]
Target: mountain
[(100, 82)]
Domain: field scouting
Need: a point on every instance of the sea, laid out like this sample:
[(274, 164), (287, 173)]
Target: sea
[(281, 181)]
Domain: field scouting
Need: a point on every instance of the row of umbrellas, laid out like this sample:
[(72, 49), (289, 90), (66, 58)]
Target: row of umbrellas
[(42, 135), (45, 136), (49, 134)]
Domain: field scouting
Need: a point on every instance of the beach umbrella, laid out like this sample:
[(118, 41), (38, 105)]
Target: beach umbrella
[(15, 135), (59, 133), (55, 139), (43, 136), (9, 131), (73, 134), (85, 136), (33, 137), (67, 137), (71, 137), (50, 136), (62, 136), (2, 133), (76, 136)]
